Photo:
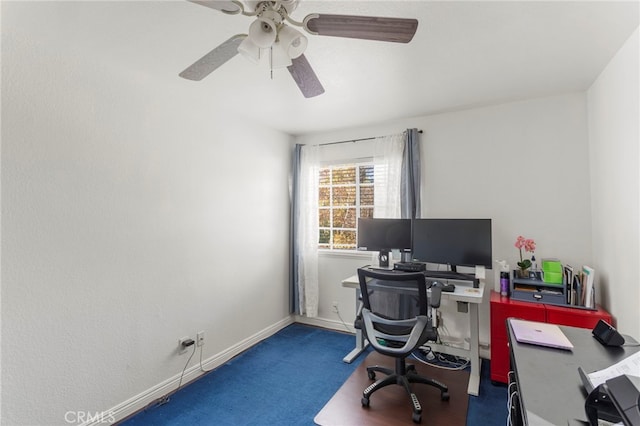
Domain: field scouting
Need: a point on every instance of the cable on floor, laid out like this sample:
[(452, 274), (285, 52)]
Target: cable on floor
[(442, 361)]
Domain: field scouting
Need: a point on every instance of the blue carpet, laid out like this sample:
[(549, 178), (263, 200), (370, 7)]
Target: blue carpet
[(286, 380), (490, 406)]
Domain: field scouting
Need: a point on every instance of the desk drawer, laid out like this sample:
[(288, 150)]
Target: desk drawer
[(576, 317), (539, 297)]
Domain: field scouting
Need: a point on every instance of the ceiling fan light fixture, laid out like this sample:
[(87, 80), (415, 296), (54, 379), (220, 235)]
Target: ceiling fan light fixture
[(249, 50), (278, 56), (263, 32), (293, 41)]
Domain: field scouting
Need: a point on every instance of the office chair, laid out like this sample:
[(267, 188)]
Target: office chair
[(396, 320)]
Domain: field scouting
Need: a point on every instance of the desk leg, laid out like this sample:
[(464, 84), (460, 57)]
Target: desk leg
[(361, 342), (361, 345), (474, 355)]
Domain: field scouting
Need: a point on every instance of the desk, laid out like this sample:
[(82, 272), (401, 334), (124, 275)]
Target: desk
[(464, 292), (549, 386)]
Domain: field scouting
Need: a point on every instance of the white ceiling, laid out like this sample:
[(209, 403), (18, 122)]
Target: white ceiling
[(463, 54)]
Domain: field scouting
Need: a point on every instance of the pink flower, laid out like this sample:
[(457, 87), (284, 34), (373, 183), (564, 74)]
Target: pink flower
[(528, 245), (525, 243)]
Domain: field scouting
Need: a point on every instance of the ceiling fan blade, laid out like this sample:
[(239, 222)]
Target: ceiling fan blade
[(397, 30), (305, 78), (214, 59), (227, 6)]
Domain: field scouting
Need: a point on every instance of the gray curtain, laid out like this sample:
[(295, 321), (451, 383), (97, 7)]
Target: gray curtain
[(294, 305), (410, 181)]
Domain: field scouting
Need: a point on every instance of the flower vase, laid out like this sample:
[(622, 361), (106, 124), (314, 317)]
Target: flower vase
[(523, 273)]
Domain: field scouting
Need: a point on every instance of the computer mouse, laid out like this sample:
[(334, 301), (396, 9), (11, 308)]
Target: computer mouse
[(444, 287)]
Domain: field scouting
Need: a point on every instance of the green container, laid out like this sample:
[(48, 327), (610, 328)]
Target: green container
[(552, 271), (553, 278)]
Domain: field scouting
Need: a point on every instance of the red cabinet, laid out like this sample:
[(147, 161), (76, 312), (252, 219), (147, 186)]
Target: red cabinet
[(504, 307)]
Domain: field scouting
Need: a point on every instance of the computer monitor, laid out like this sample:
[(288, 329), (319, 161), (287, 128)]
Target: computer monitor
[(383, 235), (453, 242)]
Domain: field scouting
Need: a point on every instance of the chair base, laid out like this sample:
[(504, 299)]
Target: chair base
[(403, 375)]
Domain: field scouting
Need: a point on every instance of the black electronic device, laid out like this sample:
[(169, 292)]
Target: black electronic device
[(453, 242), (383, 235), (409, 266), (617, 400), (606, 334), (624, 392)]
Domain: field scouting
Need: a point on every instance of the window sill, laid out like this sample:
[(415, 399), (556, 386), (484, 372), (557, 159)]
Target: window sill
[(349, 254)]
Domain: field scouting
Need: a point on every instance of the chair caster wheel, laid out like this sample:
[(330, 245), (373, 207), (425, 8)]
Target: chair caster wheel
[(371, 374), (417, 418), (444, 396), (365, 402)]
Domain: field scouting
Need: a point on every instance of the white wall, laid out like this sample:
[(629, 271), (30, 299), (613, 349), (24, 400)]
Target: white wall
[(127, 223), (614, 139), (522, 164)]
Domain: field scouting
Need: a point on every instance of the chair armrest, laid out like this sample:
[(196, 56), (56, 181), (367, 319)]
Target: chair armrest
[(436, 295)]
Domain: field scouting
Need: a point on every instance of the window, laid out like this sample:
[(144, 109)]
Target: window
[(345, 194)]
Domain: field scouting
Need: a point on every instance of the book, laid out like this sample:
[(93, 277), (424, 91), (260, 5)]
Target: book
[(577, 285), (587, 286), (568, 282)]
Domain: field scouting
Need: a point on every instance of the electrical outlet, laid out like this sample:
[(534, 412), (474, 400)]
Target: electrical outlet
[(200, 338), (334, 305), (181, 348)]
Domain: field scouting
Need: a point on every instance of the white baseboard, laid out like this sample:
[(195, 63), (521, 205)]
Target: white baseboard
[(325, 323), (142, 400)]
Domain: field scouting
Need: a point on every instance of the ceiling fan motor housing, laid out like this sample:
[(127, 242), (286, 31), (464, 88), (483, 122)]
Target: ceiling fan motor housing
[(281, 6)]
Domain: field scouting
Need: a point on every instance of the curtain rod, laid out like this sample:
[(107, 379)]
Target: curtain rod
[(355, 140)]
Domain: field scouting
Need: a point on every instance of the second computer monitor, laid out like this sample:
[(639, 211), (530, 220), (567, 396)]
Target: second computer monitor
[(453, 242)]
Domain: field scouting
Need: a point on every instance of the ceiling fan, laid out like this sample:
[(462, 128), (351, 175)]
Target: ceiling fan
[(271, 38)]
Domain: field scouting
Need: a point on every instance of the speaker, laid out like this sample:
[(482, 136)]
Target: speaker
[(383, 258), (607, 335)]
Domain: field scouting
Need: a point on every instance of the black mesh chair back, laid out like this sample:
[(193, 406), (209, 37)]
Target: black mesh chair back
[(396, 321)]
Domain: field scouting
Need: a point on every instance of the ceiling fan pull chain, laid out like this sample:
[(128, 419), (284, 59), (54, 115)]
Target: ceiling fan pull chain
[(271, 61)]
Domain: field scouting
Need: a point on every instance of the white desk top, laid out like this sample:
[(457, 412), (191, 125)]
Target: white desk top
[(463, 293)]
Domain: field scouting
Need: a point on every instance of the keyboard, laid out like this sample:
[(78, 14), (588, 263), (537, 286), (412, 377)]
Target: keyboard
[(409, 266), (450, 275), (447, 274)]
